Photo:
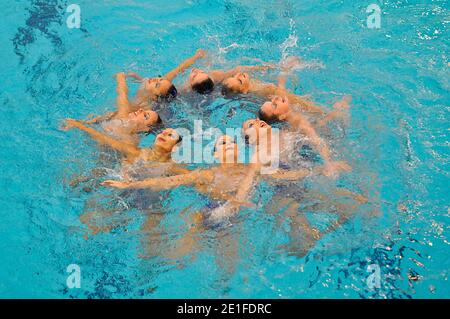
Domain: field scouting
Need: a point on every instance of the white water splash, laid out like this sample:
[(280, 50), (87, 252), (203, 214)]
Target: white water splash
[(290, 42), (289, 61)]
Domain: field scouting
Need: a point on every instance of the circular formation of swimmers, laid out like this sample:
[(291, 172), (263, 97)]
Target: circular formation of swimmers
[(229, 184)]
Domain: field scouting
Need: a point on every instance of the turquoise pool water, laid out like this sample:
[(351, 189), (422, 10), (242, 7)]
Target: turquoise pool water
[(398, 76)]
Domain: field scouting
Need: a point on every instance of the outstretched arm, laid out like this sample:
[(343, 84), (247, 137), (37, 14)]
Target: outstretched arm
[(186, 64), (247, 183), (160, 183), (127, 149), (305, 104), (282, 82), (135, 76), (123, 104), (98, 119), (330, 167), (288, 174), (231, 207), (220, 75)]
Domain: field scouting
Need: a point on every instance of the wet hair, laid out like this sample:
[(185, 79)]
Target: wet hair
[(204, 87), (170, 95), (268, 119), (228, 92), (151, 128)]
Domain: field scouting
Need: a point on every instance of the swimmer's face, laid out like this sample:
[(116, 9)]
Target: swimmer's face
[(238, 83), (167, 139), (277, 108), (255, 130), (143, 119), (197, 76), (158, 86), (226, 149)]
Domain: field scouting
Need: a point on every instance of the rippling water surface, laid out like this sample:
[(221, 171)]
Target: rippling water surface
[(397, 142)]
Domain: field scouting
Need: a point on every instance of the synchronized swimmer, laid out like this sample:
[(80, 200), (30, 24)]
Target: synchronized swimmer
[(230, 184)]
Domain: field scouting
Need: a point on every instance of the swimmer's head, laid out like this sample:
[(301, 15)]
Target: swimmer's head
[(143, 120), (167, 140), (275, 110), (226, 149), (200, 82), (161, 89), (255, 130), (239, 83)]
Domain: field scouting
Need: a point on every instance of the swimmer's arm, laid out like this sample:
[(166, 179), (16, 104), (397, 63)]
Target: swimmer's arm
[(135, 76), (282, 82), (177, 169), (183, 66), (231, 207), (254, 68), (247, 183), (242, 194), (330, 167), (160, 183), (299, 122), (290, 175), (220, 75), (98, 119), (304, 103), (125, 148), (123, 104)]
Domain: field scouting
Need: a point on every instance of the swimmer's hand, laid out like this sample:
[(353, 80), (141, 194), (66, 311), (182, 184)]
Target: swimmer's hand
[(135, 76), (115, 184), (332, 169), (70, 124), (200, 53), (121, 75)]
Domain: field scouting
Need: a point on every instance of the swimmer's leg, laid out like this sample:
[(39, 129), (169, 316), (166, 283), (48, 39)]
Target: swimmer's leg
[(227, 251), (189, 242), (100, 218), (94, 220), (302, 236), (153, 238)]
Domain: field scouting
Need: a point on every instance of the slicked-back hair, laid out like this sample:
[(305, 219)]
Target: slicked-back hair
[(228, 92), (204, 87), (268, 119), (151, 128), (170, 95)]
